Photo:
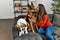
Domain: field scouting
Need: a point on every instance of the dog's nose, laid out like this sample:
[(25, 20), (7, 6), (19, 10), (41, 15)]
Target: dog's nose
[(19, 30), (23, 28)]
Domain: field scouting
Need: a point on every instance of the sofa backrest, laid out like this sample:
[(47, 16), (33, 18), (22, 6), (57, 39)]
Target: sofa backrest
[(51, 16), (56, 20)]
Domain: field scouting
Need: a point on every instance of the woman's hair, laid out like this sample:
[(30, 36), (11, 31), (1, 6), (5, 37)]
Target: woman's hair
[(41, 12), (41, 9)]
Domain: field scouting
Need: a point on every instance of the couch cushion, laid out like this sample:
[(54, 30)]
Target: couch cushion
[(57, 30), (29, 36), (56, 20)]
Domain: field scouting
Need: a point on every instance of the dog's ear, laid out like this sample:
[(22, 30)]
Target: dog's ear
[(16, 25)]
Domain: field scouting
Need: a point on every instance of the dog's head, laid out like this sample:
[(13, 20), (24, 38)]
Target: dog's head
[(21, 23)]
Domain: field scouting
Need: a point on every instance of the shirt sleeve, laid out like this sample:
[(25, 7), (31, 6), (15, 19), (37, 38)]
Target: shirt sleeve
[(38, 24), (44, 21)]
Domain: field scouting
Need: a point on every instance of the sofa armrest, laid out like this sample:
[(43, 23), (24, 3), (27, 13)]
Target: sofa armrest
[(51, 16), (14, 32)]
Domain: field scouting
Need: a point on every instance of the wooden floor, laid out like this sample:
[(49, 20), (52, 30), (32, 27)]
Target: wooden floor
[(6, 29)]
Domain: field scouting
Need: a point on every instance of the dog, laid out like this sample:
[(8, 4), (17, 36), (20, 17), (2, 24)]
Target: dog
[(22, 26), (31, 24)]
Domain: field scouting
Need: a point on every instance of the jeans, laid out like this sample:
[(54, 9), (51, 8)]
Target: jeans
[(47, 32)]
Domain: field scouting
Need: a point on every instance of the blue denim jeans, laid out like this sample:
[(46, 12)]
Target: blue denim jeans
[(47, 32)]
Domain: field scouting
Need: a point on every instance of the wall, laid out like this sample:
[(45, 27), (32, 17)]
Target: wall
[(47, 4), (6, 9)]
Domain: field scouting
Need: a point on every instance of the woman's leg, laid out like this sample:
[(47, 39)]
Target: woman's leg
[(49, 31), (41, 31)]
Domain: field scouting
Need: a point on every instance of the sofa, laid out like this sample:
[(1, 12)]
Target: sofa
[(55, 19)]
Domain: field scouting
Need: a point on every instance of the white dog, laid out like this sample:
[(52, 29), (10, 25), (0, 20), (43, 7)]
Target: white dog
[(22, 25)]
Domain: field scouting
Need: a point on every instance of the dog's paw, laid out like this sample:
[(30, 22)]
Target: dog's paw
[(20, 34)]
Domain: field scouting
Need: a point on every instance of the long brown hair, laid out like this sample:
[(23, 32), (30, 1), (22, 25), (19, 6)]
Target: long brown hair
[(41, 12)]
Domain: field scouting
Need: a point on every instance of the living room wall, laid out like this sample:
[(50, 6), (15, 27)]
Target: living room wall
[(6, 9), (47, 4)]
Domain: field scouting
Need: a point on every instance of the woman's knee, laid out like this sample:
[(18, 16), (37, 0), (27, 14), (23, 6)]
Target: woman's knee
[(41, 30), (48, 35), (50, 29)]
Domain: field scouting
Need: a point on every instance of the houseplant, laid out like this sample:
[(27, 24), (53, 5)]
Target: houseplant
[(56, 6)]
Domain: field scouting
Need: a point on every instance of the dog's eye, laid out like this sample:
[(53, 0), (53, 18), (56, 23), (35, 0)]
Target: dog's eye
[(24, 25), (23, 28), (19, 30), (35, 15)]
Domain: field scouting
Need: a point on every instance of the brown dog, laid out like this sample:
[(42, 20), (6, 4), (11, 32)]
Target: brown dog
[(31, 24)]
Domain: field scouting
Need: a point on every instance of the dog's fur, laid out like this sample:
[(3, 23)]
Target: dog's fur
[(30, 23), (22, 26)]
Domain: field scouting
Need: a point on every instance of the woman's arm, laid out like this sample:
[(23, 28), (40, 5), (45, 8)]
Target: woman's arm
[(44, 21)]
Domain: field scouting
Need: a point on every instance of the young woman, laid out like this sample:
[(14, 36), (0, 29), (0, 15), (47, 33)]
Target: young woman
[(43, 22)]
